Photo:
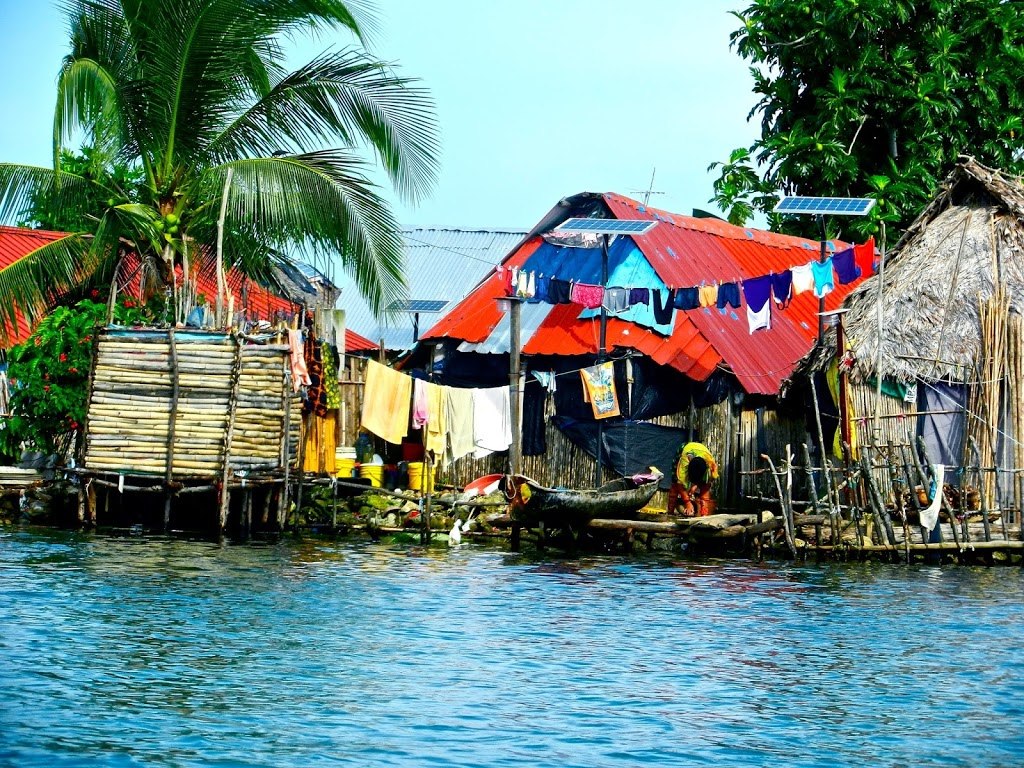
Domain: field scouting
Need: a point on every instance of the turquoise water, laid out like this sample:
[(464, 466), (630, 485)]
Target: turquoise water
[(142, 652)]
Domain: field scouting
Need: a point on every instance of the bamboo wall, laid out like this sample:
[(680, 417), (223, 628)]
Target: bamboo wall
[(161, 397)]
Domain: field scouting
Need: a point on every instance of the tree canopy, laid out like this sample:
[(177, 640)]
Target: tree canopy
[(173, 99), (874, 98)]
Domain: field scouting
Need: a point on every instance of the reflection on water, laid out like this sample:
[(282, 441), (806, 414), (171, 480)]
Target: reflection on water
[(173, 653)]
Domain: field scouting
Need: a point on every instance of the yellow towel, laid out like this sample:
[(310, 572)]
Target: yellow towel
[(386, 398), (437, 420), (460, 422)]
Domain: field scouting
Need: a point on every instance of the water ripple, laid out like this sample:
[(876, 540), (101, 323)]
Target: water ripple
[(130, 652)]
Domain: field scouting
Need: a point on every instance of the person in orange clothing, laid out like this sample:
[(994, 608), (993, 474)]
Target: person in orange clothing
[(695, 472)]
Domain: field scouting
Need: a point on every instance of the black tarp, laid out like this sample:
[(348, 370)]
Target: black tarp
[(943, 433), (627, 447)]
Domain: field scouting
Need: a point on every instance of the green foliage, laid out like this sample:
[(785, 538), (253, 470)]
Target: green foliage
[(49, 375), (174, 99), (874, 98)]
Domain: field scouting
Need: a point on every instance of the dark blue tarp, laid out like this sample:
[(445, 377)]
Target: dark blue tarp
[(628, 447), (943, 433)]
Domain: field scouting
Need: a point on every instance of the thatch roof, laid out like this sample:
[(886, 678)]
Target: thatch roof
[(969, 237)]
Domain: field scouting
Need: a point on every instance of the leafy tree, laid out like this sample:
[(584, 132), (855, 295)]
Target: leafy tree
[(874, 98), (191, 93), (49, 375)]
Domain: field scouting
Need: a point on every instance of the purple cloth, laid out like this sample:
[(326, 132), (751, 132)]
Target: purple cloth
[(686, 298), (756, 291), (639, 296), (782, 287), (662, 304), (845, 266), (728, 296)]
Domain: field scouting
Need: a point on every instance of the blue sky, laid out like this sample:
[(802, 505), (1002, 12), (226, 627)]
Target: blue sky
[(537, 99)]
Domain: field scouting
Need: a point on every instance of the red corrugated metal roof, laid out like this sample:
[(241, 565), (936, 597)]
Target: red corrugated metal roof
[(684, 251), (16, 242)]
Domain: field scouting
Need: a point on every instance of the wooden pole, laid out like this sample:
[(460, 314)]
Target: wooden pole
[(515, 452), (786, 519), (225, 493), (171, 424), (221, 279)]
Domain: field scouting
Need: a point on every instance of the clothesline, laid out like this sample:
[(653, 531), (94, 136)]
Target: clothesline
[(757, 293)]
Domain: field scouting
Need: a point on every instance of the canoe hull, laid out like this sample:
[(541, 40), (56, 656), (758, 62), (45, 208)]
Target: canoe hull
[(534, 503)]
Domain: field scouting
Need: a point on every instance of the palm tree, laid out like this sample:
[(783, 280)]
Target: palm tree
[(192, 93)]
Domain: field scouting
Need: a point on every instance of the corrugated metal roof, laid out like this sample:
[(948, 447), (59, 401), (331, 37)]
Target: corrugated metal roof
[(441, 264), (16, 242), (684, 251)]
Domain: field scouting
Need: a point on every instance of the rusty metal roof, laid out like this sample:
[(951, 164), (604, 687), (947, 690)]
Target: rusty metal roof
[(684, 251), (16, 242)]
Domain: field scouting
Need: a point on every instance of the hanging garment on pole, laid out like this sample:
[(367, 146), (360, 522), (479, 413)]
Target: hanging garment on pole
[(728, 296), (803, 279), (386, 402), (459, 403), (864, 257), (824, 279), (845, 266), (782, 287), (599, 389), (300, 375), (420, 414), (492, 420)]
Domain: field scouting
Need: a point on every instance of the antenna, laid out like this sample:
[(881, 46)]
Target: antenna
[(650, 188)]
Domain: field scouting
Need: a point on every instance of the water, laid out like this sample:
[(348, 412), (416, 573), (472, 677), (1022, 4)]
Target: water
[(132, 652)]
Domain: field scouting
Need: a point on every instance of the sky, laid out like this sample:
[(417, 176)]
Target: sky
[(536, 99)]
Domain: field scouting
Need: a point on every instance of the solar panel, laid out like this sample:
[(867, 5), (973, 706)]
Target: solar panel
[(826, 206), (418, 305), (607, 226)]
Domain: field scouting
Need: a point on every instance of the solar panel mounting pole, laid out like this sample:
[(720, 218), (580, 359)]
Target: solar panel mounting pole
[(821, 299), (601, 350)]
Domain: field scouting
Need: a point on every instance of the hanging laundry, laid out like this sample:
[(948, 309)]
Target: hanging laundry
[(338, 321), (616, 300), (686, 298), (540, 292), (300, 374), (708, 295), (782, 287), (930, 514), (492, 420), (459, 403), (505, 277), (661, 302), (420, 414), (547, 380), (436, 437), (864, 257), (523, 285), (386, 402), (756, 291), (845, 267), (531, 285), (559, 291), (728, 296), (599, 389), (760, 319), (330, 374), (589, 296), (316, 394), (640, 296), (803, 279), (824, 280)]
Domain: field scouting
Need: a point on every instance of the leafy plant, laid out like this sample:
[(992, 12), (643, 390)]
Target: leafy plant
[(873, 98), (49, 375)]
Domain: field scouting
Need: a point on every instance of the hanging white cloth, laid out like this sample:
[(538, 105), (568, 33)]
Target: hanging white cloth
[(930, 514)]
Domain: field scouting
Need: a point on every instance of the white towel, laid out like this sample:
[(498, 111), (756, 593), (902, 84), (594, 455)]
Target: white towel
[(761, 319), (492, 421), (930, 515)]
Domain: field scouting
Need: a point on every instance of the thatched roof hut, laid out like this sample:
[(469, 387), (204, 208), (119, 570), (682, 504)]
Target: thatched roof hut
[(968, 240)]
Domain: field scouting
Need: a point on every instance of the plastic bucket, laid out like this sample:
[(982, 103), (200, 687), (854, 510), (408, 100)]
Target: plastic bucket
[(374, 472), (345, 466), (416, 478)]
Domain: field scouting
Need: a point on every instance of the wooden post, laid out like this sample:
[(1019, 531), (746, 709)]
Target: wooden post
[(945, 502), (981, 487), (225, 494), (787, 521), (171, 424), (515, 453)]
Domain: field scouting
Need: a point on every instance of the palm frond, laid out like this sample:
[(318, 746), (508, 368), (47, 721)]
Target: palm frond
[(344, 96), (19, 183), (32, 284), (324, 202)]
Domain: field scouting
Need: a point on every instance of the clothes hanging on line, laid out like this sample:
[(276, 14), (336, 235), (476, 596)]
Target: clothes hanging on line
[(708, 295), (864, 257), (420, 412), (297, 356), (661, 302), (640, 296), (757, 291), (387, 394), (687, 298), (782, 287), (559, 291), (599, 389), (435, 437), (824, 280), (728, 296), (760, 319), (616, 300), (461, 441), (845, 266), (803, 279), (492, 420), (586, 295)]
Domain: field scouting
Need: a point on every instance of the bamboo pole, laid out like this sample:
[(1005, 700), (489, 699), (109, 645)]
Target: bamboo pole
[(225, 493), (787, 520), (169, 473)]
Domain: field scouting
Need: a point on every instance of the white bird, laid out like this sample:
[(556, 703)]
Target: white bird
[(455, 534)]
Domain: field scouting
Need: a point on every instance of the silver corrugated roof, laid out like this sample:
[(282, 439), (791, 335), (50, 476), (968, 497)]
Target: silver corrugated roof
[(441, 264)]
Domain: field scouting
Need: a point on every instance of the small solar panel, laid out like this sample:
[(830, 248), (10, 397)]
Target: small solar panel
[(418, 305), (607, 226), (826, 206)]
